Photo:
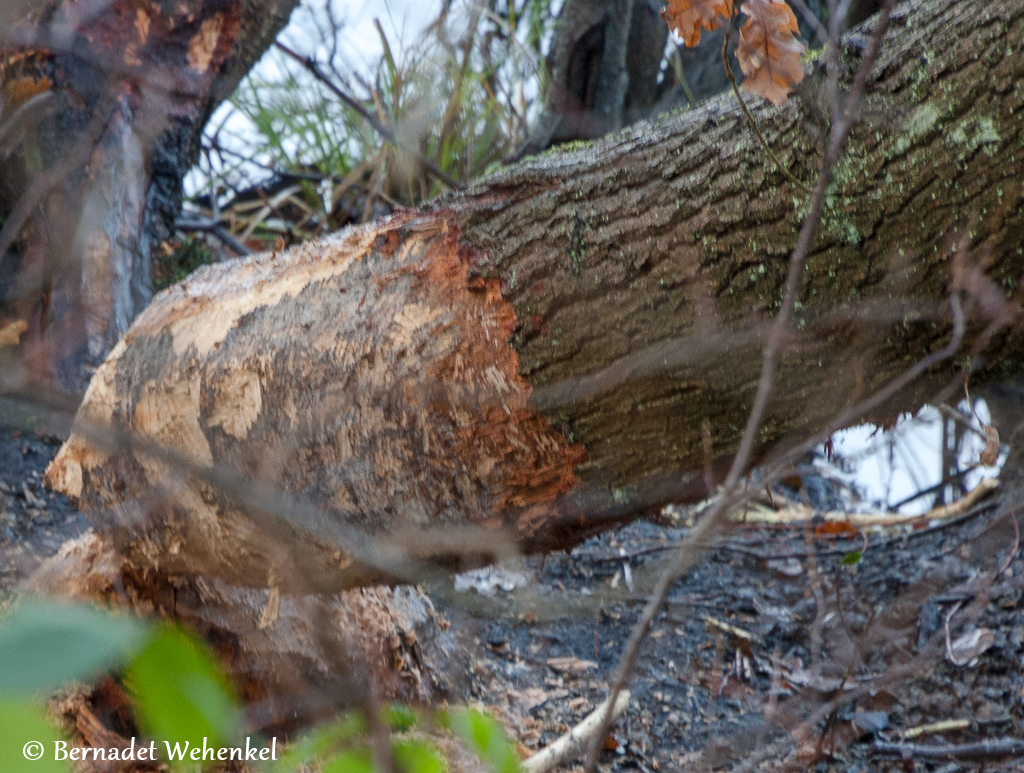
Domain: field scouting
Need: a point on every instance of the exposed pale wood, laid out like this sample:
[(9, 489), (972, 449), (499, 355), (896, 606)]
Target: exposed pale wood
[(366, 373)]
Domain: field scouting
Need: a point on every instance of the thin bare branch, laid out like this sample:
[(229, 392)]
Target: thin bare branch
[(378, 126), (716, 521)]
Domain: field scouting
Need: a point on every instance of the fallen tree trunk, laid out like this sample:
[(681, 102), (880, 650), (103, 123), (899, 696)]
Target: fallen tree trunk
[(569, 343)]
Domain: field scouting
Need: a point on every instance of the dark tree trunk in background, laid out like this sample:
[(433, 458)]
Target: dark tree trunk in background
[(603, 70), (567, 344), (104, 105)]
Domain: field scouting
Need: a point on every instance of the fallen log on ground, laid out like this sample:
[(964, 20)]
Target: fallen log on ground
[(571, 342)]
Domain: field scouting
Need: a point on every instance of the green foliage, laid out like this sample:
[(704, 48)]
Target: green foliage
[(44, 644), (189, 254), (342, 747), (416, 756), (485, 736), (400, 717), (321, 742), (180, 693), (437, 106), (22, 722), (353, 761), (460, 97), (181, 697)]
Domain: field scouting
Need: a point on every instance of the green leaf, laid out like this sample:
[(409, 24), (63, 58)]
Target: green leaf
[(354, 761), (400, 717), (852, 558), (318, 743), (485, 736), (417, 757), (23, 723), (44, 644), (180, 692)]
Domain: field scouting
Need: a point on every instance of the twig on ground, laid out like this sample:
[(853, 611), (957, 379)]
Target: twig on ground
[(679, 602), (732, 630), (983, 750), (945, 726), (838, 550), (575, 741), (801, 513)]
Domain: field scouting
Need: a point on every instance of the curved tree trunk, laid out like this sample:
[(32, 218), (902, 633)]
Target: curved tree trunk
[(571, 342), (105, 103)]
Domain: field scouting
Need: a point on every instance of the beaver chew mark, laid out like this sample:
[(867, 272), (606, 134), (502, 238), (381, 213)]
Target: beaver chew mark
[(506, 441), (370, 373)]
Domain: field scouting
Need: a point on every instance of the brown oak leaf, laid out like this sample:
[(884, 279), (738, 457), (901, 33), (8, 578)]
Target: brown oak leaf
[(687, 17), (768, 52)]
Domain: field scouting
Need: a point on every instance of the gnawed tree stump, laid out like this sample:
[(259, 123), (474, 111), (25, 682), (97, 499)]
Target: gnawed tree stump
[(103, 109), (547, 353), (293, 658)]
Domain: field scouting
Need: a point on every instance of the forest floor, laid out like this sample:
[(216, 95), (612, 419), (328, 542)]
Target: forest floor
[(776, 652)]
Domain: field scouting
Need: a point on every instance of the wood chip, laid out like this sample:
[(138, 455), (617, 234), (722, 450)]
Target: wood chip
[(570, 665)]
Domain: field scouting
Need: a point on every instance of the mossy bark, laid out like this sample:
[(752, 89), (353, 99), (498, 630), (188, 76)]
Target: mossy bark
[(642, 267)]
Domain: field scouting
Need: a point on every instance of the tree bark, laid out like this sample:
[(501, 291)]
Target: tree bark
[(571, 342), (109, 100)]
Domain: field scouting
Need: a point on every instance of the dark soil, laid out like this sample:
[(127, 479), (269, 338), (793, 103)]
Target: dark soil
[(702, 692), (765, 659), (34, 521)]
